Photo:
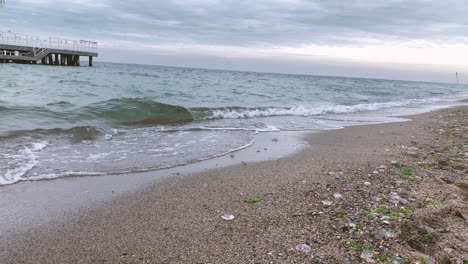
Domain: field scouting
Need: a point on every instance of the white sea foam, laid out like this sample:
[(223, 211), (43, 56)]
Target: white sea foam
[(311, 111), (28, 160), (39, 146)]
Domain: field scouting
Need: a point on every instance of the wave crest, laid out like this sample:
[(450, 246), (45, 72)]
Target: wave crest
[(239, 112)]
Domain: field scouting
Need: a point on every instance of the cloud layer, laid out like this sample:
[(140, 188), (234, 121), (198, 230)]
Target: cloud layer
[(245, 22), (401, 31)]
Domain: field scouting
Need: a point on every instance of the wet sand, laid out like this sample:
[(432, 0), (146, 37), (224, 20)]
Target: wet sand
[(178, 220)]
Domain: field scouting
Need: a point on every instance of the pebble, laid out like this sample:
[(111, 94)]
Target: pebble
[(386, 234), (375, 172), (385, 222), (326, 203), (367, 256), (449, 250), (367, 183), (382, 167), (304, 248), (393, 162), (275, 140), (394, 198), (338, 196), (228, 217)]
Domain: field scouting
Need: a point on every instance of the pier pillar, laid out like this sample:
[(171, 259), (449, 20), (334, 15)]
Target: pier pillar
[(90, 61), (51, 60), (56, 62), (77, 60), (62, 59)]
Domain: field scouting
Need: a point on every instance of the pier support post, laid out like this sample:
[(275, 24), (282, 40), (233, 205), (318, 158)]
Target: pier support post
[(56, 62), (62, 59), (51, 60), (90, 61)]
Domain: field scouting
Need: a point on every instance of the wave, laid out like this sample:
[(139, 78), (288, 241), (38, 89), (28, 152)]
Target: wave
[(136, 111), (241, 113), (127, 111), (82, 122)]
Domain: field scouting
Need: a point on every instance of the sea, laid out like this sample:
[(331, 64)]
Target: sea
[(122, 118)]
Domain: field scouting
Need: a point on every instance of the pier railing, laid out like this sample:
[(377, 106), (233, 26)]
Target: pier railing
[(15, 39)]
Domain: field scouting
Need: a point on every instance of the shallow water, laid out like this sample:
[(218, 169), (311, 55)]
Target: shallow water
[(119, 118)]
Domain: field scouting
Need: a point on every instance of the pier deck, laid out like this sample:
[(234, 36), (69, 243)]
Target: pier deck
[(26, 49)]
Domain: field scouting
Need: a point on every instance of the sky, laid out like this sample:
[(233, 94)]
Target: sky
[(423, 40)]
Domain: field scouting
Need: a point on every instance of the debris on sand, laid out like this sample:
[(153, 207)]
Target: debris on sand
[(228, 217), (303, 248)]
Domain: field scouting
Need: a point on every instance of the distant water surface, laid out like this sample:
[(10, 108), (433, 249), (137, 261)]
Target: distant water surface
[(119, 118)]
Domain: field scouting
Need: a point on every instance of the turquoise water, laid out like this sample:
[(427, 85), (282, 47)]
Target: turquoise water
[(118, 118)]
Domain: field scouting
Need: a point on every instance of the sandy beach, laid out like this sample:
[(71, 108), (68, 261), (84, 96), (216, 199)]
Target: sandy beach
[(374, 193)]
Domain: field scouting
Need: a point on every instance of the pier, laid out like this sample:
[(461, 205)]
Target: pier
[(28, 49)]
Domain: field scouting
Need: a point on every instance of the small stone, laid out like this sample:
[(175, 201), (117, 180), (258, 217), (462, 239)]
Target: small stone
[(449, 250), (232, 155), (352, 225), (412, 148), (386, 234), (375, 172), (304, 248), (397, 260), (275, 140), (382, 167), (331, 173), (385, 222), (338, 196), (228, 217), (367, 256), (367, 183), (326, 203), (393, 162)]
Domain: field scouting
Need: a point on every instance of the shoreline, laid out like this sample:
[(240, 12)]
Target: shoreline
[(178, 220), (51, 200)]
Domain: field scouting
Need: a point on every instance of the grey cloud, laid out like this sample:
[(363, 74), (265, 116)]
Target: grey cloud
[(244, 22)]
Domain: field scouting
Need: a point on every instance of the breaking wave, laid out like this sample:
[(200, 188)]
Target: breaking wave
[(239, 112)]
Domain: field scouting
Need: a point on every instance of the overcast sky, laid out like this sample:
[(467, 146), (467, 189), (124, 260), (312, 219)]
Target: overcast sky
[(399, 39)]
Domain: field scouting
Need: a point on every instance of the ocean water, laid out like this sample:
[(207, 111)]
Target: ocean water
[(120, 118)]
